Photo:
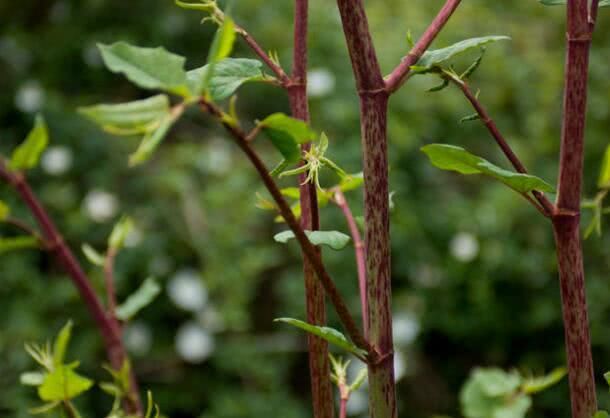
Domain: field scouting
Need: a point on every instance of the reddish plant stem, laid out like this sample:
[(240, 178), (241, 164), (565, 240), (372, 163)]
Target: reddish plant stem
[(308, 249), (340, 200), (319, 366), (398, 76), (258, 50), (373, 126), (566, 220), (108, 327), (547, 207), (343, 408)]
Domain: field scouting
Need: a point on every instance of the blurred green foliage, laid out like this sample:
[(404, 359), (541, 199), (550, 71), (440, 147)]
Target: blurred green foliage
[(474, 269)]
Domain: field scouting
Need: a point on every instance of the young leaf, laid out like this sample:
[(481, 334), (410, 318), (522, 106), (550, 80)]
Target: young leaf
[(151, 140), (333, 239), (61, 344), (286, 134), (130, 118), (63, 383), (538, 384), (4, 211), (28, 153), (119, 233), (222, 45), (138, 300), (434, 58), (329, 334), (17, 243), (359, 380), (221, 48), (601, 414), (450, 157), (604, 173), (149, 68), (93, 255)]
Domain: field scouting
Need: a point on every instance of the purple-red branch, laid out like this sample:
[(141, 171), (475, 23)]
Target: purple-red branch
[(340, 200), (319, 366), (397, 77), (566, 221), (547, 208)]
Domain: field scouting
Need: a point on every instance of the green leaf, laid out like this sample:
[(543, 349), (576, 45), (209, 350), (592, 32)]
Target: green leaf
[(17, 243), (329, 334), (119, 233), (538, 384), (149, 68), (132, 118), (63, 383), (229, 74), (151, 140), (450, 157), (61, 344), (28, 153), (434, 58), (604, 173), (333, 239), (602, 3), (31, 378), (286, 134), (601, 414), (493, 393), (93, 255), (138, 300), (607, 377), (4, 211)]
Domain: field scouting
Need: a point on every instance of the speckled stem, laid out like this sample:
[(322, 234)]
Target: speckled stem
[(566, 220), (319, 367), (373, 126)]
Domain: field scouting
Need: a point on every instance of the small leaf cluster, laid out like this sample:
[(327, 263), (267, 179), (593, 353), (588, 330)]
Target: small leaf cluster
[(494, 393), (596, 205)]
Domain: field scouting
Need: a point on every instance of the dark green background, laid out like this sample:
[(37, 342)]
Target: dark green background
[(500, 309)]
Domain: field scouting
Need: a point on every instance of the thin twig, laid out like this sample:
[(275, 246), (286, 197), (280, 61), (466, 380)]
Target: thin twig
[(258, 50), (307, 247), (398, 76), (341, 202), (548, 207)]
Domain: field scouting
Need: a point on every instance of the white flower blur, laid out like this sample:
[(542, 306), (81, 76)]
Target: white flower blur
[(29, 97), (100, 205), (193, 343), (464, 247), (405, 328), (56, 160), (187, 291), (320, 82), (138, 338)]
